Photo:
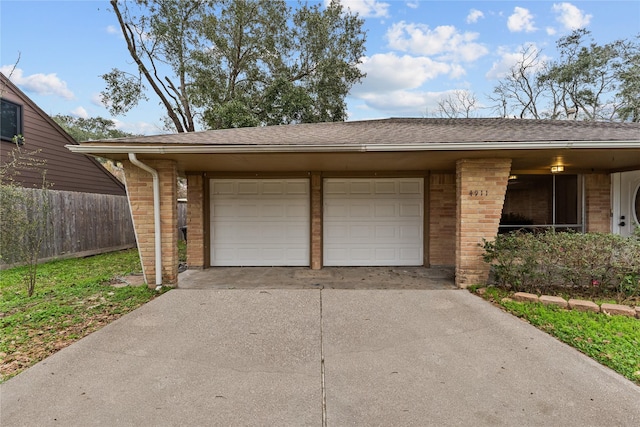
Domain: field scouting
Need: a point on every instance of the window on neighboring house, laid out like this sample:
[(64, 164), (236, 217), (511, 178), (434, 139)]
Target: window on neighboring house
[(11, 120), (543, 201)]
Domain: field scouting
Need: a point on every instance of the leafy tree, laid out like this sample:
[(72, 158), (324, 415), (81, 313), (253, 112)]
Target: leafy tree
[(236, 63), (629, 89), (588, 81), (24, 214), (91, 129)]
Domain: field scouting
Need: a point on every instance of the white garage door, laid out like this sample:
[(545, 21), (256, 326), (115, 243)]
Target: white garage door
[(373, 222), (259, 222)]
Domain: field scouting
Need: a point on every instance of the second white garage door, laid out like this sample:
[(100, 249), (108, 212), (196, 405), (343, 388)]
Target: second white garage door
[(259, 222), (373, 222)]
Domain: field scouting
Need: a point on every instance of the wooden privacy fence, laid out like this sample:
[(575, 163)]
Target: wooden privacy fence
[(182, 218), (83, 224)]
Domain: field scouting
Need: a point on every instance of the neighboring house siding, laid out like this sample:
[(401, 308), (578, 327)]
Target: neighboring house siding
[(65, 170)]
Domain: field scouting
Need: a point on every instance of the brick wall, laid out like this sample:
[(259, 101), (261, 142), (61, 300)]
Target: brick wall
[(316, 220), (195, 221), (442, 219), (598, 202), (140, 193), (480, 191)]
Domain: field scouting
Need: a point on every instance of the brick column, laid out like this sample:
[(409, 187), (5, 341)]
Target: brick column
[(140, 193), (195, 221), (480, 188), (316, 220), (442, 218), (598, 202)]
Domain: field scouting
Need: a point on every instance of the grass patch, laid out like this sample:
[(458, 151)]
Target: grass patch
[(73, 298), (613, 341)]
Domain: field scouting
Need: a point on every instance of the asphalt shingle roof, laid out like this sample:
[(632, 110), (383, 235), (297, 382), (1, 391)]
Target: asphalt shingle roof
[(404, 131)]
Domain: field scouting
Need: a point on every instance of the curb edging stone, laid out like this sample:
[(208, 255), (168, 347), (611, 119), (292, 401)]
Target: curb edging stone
[(579, 305)]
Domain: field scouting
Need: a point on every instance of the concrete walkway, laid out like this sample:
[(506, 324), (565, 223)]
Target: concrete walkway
[(313, 357)]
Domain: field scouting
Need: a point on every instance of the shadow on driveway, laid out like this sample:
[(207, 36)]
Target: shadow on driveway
[(327, 278)]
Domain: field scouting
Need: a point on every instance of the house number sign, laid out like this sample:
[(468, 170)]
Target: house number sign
[(476, 193)]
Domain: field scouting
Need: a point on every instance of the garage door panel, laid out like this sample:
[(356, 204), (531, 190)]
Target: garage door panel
[(359, 187), (300, 211), (297, 188), (273, 187), (297, 233), (223, 187), (337, 210), (360, 210), (386, 232), (410, 188), (335, 187), (272, 210), (373, 221), (410, 210), (260, 222), (385, 210), (385, 187), (247, 188)]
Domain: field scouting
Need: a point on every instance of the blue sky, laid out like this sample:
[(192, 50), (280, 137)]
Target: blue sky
[(416, 53)]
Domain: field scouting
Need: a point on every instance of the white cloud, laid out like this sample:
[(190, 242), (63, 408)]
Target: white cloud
[(111, 29), (508, 59), (551, 31), (402, 103), (474, 15), (444, 40), (366, 8), (413, 4), (393, 84), (138, 128), (41, 84), (521, 20), (570, 16), (389, 72), (80, 112), (96, 99)]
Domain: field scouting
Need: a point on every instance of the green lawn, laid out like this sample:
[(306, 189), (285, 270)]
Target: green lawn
[(72, 298), (614, 341)]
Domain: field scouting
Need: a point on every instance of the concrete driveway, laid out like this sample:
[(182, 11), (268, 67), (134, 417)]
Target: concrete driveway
[(315, 357)]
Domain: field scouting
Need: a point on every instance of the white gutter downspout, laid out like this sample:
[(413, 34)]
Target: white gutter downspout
[(156, 214)]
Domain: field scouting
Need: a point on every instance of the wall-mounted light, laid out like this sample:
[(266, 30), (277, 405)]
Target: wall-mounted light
[(513, 177), (557, 168)]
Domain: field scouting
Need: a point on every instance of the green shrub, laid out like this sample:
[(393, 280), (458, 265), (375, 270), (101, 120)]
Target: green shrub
[(587, 263)]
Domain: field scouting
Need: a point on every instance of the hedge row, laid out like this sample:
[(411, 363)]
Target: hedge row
[(592, 263)]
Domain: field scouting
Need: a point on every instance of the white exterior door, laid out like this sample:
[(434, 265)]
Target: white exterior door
[(373, 222), (259, 222), (626, 202)]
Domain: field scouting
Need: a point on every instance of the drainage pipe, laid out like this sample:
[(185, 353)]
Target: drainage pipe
[(156, 214)]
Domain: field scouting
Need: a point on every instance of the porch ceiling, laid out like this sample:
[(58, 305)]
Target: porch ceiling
[(524, 161)]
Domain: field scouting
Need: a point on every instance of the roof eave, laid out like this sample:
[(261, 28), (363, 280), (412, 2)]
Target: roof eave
[(312, 148)]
